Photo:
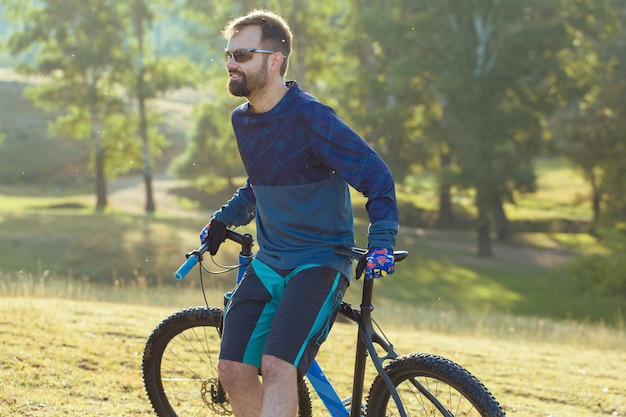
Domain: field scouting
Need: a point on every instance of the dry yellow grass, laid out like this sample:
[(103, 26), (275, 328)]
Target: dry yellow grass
[(79, 358)]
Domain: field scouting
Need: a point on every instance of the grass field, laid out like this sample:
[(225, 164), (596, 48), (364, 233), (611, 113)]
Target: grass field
[(78, 358), (55, 246)]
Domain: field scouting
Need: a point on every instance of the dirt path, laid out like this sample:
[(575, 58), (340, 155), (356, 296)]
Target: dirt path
[(462, 246), (128, 194)]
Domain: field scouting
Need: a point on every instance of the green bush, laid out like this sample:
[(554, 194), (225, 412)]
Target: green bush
[(604, 273)]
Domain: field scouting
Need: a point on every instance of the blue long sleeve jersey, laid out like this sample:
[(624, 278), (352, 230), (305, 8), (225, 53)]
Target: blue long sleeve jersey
[(300, 158)]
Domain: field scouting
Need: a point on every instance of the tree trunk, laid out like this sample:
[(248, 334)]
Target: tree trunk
[(484, 238), (596, 198), (501, 222), (101, 185), (147, 166), (143, 121), (147, 178), (445, 215)]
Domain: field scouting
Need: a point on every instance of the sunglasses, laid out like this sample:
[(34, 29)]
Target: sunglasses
[(243, 55)]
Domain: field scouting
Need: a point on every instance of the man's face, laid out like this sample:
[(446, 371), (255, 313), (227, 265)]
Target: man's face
[(248, 77)]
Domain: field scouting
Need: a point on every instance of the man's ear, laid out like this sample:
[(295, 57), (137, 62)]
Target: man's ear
[(275, 61)]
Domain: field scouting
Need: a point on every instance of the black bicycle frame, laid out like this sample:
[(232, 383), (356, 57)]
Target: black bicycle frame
[(365, 344), (367, 337)]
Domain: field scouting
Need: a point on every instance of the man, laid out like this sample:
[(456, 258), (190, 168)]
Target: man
[(300, 158)]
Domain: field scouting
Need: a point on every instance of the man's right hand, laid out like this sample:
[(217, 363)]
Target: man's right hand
[(213, 234)]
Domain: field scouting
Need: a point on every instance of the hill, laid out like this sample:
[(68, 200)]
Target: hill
[(30, 155)]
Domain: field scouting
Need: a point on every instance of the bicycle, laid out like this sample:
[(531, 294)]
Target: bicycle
[(180, 364)]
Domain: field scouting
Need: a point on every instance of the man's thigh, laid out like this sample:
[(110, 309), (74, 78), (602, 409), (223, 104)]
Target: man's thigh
[(305, 314), (284, 316)]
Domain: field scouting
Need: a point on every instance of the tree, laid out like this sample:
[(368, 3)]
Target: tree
[(141, 17), (377, 71), (76, 45), (592, 130), (211, 154), (498, 77), (150, 76), (95, 55)]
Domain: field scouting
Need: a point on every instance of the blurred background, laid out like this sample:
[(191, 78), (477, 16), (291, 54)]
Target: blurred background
[(502, 121)]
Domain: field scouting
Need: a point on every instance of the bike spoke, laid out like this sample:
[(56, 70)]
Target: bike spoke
[(421, 395)]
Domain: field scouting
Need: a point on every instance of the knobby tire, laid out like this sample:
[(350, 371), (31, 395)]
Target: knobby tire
[(457, 389), (180, 367)]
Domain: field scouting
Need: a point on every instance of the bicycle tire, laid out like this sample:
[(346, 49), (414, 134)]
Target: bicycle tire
[(457, 389), (179, 367)]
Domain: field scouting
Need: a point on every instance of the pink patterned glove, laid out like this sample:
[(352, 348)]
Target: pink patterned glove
[(378, 263)]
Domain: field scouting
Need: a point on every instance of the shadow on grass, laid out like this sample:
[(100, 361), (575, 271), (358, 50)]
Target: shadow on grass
[(123, 250)]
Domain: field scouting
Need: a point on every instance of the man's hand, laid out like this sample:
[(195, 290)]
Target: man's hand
[(377, 263), (213, 234)]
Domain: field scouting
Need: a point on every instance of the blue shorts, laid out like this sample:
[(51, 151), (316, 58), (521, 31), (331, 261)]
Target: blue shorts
[(286, 314)]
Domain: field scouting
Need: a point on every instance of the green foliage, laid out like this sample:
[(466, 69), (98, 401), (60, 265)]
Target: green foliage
[(30, 154), (467, 89), (602, 273), (591, 130), (77, 46), (94, 56), (211, 153)]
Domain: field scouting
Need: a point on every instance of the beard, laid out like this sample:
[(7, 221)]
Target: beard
[(247, 83)]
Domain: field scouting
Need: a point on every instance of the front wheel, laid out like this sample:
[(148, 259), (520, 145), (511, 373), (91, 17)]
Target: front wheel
[(430, 385), (180, 367)]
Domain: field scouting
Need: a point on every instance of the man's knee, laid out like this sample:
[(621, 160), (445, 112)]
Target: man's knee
[(235, 374), (274, 367)]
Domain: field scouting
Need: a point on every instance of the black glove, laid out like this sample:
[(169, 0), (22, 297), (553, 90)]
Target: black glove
[(213, 234)]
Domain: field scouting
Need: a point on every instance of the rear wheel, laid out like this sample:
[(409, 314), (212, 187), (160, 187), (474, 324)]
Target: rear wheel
[(430, 385), (180, 367)]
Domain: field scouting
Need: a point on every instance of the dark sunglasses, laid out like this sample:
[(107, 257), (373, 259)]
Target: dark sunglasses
[(243, 55)]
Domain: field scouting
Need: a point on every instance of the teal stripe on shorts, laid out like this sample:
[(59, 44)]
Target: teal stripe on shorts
[(330, 304), (275, 285)]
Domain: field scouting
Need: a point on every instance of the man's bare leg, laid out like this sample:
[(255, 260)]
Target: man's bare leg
[(243, 387), (280, 392)]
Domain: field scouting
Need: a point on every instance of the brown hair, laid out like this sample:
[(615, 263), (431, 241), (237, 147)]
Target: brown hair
[(275, 32)]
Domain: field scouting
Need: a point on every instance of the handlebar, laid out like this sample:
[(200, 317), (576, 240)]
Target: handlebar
[(356, 253), (192, 260), (246, 241)]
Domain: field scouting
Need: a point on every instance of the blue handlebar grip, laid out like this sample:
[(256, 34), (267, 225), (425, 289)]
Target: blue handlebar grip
[(186, 267)]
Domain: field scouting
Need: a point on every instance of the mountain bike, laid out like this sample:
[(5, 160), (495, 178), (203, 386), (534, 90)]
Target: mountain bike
[(180, 364)]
